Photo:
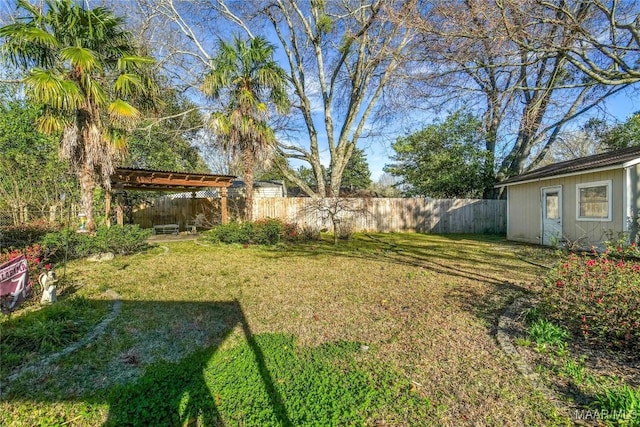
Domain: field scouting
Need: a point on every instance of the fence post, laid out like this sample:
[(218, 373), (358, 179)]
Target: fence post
[(52, 213)]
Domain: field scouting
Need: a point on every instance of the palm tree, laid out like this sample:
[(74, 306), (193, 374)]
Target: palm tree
[(247, 77), (84, 69)]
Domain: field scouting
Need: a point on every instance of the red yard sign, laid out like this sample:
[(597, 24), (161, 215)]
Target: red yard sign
[(14, 283)]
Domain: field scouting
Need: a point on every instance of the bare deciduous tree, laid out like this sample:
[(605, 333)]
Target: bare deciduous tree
[(343, 58), (509, 60), (606, 42)]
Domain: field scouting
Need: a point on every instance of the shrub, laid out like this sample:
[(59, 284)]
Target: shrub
[(267, 231), (128, 239), (309, 232), (23, 235), (123, 240), (622, 248), (596, 297), (55, 244), (345, 230), (232, 232)]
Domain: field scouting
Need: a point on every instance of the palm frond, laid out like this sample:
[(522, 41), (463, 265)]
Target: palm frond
[(126, 62), (216, 80), (31, 9), (80, 57), (118, 140), (94, 90), (25, 34), (49, 88), (25, 45), (50, 124), (246, 99), (128, 84), (220, 124), (122, 113)]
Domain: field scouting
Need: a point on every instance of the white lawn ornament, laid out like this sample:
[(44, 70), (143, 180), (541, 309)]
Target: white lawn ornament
[(48, 282)]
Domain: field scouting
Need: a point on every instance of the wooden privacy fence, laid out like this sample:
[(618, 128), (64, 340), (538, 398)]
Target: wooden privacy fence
[(184, 212), (389, 214)]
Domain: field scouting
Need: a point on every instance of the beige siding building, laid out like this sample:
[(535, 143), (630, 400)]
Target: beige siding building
[(584, 201)]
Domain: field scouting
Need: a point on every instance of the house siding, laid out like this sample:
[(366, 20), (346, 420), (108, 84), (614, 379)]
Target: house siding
[(633, 193), (524, 208)]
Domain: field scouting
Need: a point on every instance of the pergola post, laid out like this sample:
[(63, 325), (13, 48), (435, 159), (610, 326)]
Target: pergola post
[(223, 205), (119, 206)]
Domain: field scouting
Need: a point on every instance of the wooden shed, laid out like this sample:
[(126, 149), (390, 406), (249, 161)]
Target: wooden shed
[(585, 201)]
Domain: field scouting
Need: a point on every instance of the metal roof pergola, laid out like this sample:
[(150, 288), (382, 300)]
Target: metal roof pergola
[(156, 180)]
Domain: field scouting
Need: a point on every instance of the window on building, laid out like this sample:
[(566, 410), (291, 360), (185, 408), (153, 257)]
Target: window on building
[(594, 201)]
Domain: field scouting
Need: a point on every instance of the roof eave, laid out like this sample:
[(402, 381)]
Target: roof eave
[(631, 163), (582, 172)]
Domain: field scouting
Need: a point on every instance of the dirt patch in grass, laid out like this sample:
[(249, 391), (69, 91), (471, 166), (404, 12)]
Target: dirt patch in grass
[(424, 306)]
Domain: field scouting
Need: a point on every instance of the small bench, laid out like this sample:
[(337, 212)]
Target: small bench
[(166, 229)]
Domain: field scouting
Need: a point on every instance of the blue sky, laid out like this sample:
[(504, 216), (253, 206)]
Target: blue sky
[(378, 149), (617, 108)]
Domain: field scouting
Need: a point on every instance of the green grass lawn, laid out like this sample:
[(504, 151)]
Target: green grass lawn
[(388, 329)]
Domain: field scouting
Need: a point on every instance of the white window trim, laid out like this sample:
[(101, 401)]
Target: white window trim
[(606, 183)]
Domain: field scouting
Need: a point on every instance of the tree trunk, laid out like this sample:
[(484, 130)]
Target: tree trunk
[(86, 192), (247, 160)]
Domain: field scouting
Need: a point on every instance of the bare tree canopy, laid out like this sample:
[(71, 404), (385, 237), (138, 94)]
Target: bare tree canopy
[(606, 36), (343, 60), (530, 68), (516, 62)]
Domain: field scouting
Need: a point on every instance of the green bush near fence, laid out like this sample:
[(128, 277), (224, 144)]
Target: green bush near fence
[(267, 231), (121, 240)]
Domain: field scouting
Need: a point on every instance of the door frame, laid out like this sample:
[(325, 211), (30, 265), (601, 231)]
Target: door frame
[(543, 210)]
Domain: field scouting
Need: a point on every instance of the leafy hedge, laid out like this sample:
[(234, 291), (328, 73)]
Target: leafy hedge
[(122, 240), (597, 297), (262, 232)]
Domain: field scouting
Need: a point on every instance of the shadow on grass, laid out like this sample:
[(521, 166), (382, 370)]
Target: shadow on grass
[(453, 255), (262, 379), (168, 393), (179, 394), (40, 331), (460, 257)]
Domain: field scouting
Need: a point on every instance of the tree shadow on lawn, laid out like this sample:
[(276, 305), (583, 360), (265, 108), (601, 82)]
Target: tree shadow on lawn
[(169, 393), (486, 302), (178, 393), (428, 256)]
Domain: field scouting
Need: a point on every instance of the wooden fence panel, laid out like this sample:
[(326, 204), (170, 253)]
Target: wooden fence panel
[(363, 214), (390, 214)]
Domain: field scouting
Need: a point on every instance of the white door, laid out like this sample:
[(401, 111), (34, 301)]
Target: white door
[(551, 215)]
